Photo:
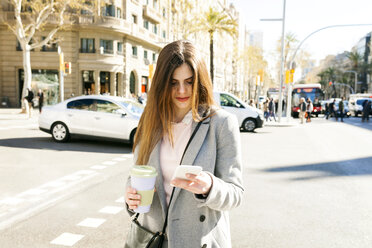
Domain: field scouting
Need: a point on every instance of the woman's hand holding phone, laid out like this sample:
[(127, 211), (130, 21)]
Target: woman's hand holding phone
[(200, 183)]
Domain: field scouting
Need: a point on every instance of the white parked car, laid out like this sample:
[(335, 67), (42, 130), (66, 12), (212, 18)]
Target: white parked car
[(93, 115), (249, 117)]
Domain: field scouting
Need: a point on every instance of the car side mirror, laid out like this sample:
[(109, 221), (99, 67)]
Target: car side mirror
[(121, 112)]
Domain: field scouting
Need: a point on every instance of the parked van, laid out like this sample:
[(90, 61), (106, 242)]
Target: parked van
[(249, 117), (356, 103)]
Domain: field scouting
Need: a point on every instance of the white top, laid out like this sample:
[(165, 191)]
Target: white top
[(170, 157)]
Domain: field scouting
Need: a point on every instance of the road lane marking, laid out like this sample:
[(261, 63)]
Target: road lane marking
[(92, 222), (98, 167), (119, 159), (67, 239), (111, 210), (109, 163)]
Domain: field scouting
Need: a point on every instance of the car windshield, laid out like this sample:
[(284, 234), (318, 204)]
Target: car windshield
[(360, 101), (133, 107)]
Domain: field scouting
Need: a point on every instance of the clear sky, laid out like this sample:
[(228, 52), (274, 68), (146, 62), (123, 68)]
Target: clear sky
[(305, 16)]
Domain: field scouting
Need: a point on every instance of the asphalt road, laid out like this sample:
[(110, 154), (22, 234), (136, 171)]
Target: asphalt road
[(307, 186)]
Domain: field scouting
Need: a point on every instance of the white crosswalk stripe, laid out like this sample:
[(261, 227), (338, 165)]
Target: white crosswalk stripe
[(67, 239)]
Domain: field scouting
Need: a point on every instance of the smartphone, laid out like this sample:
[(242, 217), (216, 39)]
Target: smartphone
[(181, 171)]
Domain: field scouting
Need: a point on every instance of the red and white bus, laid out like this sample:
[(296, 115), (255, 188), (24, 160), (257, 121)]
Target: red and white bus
[(312, 91)]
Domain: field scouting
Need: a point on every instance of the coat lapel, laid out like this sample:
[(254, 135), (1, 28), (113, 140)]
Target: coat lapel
[(192, 151), (154, 160)]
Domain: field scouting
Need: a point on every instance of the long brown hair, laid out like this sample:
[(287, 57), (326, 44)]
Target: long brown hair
[(156, 119)]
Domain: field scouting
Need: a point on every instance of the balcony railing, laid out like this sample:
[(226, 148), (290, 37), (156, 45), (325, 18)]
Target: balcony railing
[(151, 14)]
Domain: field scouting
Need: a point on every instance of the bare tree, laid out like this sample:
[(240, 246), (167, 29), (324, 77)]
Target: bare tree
[(34, 16)]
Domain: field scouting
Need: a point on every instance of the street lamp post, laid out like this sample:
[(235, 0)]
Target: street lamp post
[(280, 105), (356, 80)]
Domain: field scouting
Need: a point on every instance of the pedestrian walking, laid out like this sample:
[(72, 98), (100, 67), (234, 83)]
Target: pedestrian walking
[(40, 95), (326, 112), (272, 109), (341, 108), (309, 110), (29, 97), (366, 110), (180, 101), (266, 109), (332, 109), (302, 110)]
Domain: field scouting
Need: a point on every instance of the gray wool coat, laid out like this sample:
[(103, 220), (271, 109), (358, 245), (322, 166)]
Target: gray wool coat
[(194, 221)]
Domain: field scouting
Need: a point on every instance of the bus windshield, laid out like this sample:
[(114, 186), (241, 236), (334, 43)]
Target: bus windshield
[(315, 94)]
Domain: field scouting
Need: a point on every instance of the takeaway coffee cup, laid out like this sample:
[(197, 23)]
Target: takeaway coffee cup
[(143, 180)]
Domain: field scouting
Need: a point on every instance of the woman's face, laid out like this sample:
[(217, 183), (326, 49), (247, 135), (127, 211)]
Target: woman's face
[(182, 79)]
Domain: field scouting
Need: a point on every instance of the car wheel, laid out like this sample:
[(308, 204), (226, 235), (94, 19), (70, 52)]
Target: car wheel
[(131, 139), (249, 125), (60, 132)]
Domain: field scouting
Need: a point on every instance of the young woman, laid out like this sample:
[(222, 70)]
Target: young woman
[(180, 96)]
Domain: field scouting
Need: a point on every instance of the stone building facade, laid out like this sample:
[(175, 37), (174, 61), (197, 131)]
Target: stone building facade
[(110, 52)]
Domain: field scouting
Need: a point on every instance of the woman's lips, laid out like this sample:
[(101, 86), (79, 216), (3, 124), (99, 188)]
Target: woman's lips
[(182, 99)]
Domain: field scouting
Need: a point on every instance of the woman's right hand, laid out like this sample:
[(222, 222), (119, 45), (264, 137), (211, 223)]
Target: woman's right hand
[(132, 198)]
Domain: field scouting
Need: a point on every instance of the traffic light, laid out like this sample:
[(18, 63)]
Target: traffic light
[(151, 71), (291, 76), (67, 69), (260, 73), (287, 76)]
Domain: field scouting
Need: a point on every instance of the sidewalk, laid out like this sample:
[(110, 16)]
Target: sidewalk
[(15, 114), (284, 122)]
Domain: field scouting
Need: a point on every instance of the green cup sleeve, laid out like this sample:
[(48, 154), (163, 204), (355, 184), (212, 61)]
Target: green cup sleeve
[(146, 197)]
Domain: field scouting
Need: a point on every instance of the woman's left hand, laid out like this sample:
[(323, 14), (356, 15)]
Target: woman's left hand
[(197, 184)]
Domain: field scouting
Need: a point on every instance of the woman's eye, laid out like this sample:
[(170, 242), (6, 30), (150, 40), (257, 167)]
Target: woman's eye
[(189, 82), (174, 83)]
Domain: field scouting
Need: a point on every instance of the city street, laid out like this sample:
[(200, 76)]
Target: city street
[(306, 186)]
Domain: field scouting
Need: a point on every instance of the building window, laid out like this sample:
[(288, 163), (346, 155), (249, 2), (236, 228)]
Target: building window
[(104, 77), (153, 58), (120, 48), (145, 54), (108, 10), (87, 11), (164, 13), (87, 46), (106, 46), (155, 29), (19, 48), (118, 13), (49, 48), (164, 34), (155, 4), (146, 24), (88, 82), (134, 19), (134, 51)]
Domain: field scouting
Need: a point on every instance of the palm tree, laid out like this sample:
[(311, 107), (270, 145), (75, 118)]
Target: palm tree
[(355, 59), (214, 21)]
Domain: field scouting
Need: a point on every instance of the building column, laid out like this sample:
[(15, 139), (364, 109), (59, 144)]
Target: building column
[(126, 85), (120, 83), (113, 84), (97, 82)]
